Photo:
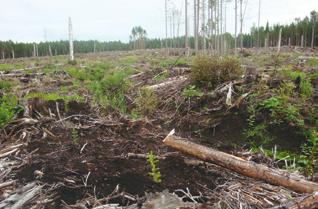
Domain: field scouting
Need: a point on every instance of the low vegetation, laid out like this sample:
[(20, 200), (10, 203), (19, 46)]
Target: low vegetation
[(211, 71)]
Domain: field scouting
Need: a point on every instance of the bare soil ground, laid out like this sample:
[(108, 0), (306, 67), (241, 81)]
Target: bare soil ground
[(74, 154)]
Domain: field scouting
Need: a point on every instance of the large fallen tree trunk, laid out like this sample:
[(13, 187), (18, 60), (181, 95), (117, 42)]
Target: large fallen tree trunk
[(241, 166)]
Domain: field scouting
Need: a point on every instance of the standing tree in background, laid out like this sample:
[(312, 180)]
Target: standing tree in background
[(138, 37), (186, 28), (258, 26), (235, 36), (70, 33), (313, 16)]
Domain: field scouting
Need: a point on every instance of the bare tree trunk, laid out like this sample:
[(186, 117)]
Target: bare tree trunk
[(221, 24), (203, 27), (50, 51), (241, 27), (313, 35), (241, 166), (70, 33), (279, 40), (235, 36), (211, 25), (166, 20), (217, 20), (289, 43), (195, 26), (259, 20), (186, 29), (302, 41), (266, 43), (13, 54), (34, 49), (3, 57)]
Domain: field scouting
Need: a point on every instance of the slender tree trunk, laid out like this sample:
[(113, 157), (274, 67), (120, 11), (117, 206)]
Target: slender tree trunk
[(50, 51), (34, 49), (241, 27), (279, 40), (3, 56), (259, 20), (198, 25), (313, 34), (203, 27), (70, 32), (166, 20), (212, 25), (186, 29), (195, 26), (221, 24), (235, 36), (13, 56), (302, 41)]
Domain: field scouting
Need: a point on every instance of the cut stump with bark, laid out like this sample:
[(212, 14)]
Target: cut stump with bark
[(241, 166)]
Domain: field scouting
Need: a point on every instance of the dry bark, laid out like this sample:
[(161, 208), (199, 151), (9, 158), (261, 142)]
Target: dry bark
[(310, 201), (241, 166)]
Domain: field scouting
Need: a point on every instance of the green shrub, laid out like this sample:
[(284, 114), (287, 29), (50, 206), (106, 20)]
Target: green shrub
[(192, 91), (79, 74), (110, 91), (6, 67), (153, 162), (162, 76), (8, 109), (312, 62), (54, 96), (211, 71), (305, 86), (146, 102), (5, 85)]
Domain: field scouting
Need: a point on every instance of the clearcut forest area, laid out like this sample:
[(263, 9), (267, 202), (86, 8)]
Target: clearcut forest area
[(213, 120)]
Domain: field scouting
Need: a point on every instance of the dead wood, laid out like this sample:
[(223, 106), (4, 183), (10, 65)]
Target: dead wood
[(170, 82), (310, 201), (6, 184), (21, 196), (241, 166)]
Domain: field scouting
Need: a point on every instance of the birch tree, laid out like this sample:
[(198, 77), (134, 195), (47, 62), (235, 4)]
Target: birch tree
[(235, 36), (166, 20), (186, 44), (70, 34), (313, 15)]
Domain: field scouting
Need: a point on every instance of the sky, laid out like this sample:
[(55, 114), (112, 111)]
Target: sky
[(109, 20)]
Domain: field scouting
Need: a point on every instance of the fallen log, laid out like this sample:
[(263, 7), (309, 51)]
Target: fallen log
[(310, 201), (170, 82), (241, 166)]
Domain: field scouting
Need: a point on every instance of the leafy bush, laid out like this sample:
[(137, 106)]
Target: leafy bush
[(8, 108), (305, 86), (110, 91), (211, 71), (146, 102), (192, 91)]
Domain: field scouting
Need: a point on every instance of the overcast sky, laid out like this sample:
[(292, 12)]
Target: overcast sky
[(105, 20)]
